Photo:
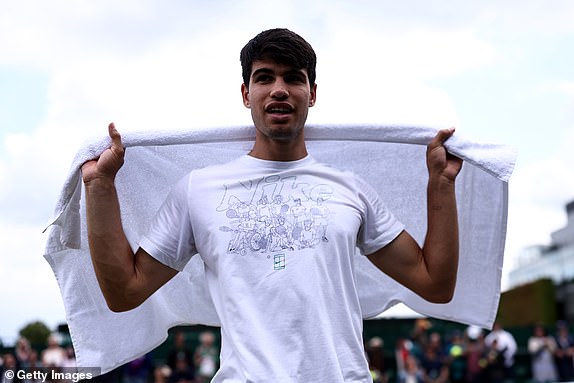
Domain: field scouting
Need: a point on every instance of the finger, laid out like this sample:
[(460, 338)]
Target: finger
[(114, 135), (117, 146), (441, 136)]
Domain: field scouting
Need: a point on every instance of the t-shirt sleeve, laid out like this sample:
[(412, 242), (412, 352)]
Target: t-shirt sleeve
[(169, 238), (379, 226)]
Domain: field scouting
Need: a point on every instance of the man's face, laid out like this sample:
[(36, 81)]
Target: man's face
[(279, 97)]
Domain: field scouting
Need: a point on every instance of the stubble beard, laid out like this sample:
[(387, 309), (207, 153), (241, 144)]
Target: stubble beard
[(284, 135), (281, 133)]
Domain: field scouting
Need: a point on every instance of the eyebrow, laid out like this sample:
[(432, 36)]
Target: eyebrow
[(270, 71), (262, 71)]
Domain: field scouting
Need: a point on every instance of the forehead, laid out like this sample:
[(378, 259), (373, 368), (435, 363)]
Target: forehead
[(271, 66)]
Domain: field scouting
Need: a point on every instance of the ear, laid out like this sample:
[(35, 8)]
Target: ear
[(245, 95), (313, 95)]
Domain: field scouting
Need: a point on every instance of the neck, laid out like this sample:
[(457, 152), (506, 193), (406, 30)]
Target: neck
[(279, 150)]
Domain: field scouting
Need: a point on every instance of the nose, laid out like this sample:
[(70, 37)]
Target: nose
[(280, 90)]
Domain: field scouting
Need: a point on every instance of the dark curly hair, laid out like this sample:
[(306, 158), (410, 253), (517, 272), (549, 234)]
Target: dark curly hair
[(282, 46)]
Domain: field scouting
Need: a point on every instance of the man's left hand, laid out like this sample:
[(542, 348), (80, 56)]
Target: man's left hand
[(440, 162)]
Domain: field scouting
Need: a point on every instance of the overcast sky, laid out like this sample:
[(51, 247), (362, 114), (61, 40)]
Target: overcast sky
[(501, 71)]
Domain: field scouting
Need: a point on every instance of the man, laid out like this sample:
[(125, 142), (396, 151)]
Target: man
[(502, 341), (565, 351), (289, 313)]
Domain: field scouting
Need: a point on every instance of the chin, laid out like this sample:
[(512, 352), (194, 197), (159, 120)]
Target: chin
[(284, 134)]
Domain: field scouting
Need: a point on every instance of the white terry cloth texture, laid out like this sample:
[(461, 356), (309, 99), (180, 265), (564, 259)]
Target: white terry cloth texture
[(391, 158)]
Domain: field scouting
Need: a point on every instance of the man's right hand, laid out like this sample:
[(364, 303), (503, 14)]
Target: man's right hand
[(126, 279), (109, 162)]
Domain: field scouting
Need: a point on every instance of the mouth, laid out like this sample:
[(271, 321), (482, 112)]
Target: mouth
[(279, 108)]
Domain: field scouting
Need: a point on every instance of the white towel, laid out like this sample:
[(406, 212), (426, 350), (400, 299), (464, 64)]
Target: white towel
[(391, 158)]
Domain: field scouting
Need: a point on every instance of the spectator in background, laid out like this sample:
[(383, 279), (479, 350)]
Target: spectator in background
[(434, 364), (435, 341), (493, 363), (474, 352), (8, 362), (183, 372), (161, 374), (27, 358), (505, 344), (403, 348), (541, 348), (412, 372), (138, 370), (457, 359), (376, 359), (420, 336), (23, 352), (34, 364), (206, 357), (53, 356), (70, 361), (180, 351), (564, 354)]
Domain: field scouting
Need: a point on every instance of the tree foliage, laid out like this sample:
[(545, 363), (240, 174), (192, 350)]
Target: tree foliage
[(37, 333)]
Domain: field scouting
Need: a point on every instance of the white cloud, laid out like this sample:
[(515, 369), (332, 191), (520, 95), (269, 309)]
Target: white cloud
[(29, 290), (532, 16), (567, 87), (31, 169), (389, 77), (539, 191)]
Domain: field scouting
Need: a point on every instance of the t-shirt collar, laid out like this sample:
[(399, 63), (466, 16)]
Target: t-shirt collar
[(278, 165)]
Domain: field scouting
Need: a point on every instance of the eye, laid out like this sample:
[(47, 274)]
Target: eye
[(263, 78), (296, 78)]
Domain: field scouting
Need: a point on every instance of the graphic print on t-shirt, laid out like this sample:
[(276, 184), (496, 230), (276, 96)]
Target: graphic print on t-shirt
[(275, 213)]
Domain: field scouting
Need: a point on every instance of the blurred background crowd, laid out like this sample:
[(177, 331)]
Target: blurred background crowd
[(423, 351)]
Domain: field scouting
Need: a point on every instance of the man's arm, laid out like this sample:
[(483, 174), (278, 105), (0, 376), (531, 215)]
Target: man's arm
[(126, 279), (431, 271)]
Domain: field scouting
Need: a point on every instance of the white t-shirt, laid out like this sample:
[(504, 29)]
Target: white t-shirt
[(278, 241)]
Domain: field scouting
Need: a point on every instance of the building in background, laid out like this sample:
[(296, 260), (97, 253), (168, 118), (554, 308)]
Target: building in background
[(553, 262)]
